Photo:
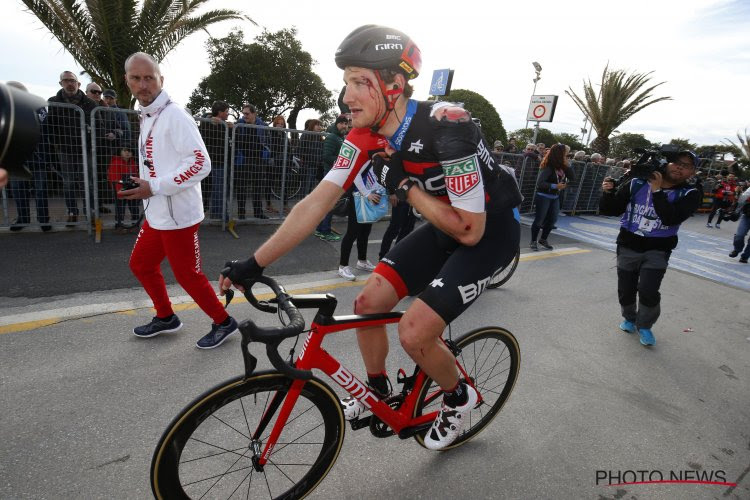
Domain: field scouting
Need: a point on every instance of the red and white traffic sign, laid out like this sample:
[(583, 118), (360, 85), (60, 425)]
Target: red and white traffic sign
[(542, 108)]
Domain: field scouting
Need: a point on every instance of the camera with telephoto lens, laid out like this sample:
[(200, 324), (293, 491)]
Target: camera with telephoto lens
[(653, 160), (19, 128)]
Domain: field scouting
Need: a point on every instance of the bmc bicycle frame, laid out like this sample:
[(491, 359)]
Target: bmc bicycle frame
[(313, 355)]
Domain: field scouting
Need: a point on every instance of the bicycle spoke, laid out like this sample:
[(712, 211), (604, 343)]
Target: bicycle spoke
[(235, 430), (226, 472), (294, 441), (215, 454), (279, 469)]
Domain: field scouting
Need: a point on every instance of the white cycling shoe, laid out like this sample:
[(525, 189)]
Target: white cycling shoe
[(449, 422)]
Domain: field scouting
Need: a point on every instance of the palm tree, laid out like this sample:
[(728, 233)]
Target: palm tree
[(620, 97), (101, 34), (744, 146)]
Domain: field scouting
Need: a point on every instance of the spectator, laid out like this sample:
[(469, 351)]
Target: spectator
[(512, 147), (331, 147), (21, 189), (94, 92), (64, 128), (279, 145), (173, 160), (743, 206), (724, 196), (579, 156), (652, 212), (215, 134), (248, 162), (597, 158), (610, 162), (531, 152), (311, 152), (365, 184), (120, 134), (401, 224), (554, 175), (497, 147), (121, 169)]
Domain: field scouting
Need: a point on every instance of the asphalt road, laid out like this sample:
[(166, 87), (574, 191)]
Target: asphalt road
[(84, 401)]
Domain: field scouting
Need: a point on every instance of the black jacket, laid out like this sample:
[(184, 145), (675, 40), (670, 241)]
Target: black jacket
[(64, 124), (548, 176)]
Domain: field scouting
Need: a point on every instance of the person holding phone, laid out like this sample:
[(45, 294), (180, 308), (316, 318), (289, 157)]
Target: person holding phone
[(554, 176)]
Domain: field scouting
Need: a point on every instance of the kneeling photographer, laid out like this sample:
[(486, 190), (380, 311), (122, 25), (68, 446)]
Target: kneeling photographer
[(654, 200)]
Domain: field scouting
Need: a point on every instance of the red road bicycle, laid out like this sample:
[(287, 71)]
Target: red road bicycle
[(277, 433)]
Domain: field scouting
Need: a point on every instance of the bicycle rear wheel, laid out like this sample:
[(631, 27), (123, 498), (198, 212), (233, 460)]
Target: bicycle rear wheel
[(208, 451), (504, 273), (491, 358)]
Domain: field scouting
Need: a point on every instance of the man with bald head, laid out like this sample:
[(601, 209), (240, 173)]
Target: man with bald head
[(64, 127), (172, 162)]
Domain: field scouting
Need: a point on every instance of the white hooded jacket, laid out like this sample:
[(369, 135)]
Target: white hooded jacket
[(177, 161)]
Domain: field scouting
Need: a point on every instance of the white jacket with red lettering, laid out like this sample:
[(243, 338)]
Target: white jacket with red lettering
[(178, 160)]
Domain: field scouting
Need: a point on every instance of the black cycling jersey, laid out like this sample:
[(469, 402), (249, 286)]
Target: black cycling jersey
[(444, 152)]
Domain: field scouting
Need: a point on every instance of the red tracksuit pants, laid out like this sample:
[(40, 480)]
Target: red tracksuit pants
[(182, 250)]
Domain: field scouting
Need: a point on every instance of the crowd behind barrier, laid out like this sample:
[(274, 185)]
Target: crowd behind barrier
[(257, 172)]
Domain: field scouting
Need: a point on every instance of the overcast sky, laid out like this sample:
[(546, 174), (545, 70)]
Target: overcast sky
[(700, 48)]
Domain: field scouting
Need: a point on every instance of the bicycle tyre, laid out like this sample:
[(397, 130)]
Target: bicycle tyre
[(292, 186), (502, 275), (180, 468), (498, 355)]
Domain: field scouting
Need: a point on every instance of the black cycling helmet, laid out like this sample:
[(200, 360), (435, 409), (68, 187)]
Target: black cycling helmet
[(379, 47)]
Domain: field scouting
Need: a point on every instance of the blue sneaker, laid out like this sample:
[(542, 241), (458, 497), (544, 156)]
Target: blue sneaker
[(647, 336), (217, 335), (157, 326), (627, 326)]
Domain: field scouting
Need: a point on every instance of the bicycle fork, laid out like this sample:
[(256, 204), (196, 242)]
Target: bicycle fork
[(289, 399)]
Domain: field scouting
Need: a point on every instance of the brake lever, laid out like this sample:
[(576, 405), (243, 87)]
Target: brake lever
[(229, 294)]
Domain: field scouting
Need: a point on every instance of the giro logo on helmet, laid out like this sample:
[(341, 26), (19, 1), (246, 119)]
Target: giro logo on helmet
[(389, 46)]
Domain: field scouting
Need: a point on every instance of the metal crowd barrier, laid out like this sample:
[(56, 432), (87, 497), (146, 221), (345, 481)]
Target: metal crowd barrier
[(61, 176), (257, 172)]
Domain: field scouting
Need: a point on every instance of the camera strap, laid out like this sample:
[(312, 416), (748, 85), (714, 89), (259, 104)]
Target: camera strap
[(156, 114)]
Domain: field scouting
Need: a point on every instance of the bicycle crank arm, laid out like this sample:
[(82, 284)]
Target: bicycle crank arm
[(408, 432)]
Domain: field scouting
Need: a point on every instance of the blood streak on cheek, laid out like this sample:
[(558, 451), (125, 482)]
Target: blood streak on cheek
[(468, 228)]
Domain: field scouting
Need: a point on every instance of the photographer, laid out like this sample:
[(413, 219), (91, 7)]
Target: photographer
[(653, 205)]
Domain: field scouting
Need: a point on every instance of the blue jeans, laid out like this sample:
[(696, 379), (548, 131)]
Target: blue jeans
[(547, 210), (739, 237), (325, 225), (21, 192)]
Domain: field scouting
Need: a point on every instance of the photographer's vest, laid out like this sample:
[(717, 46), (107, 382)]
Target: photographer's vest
[(640, 217)]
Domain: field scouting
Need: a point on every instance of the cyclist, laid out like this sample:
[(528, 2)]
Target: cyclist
[(434, 156)]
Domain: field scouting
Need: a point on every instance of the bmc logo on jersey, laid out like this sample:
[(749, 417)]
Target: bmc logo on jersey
[(461, 176), (347, 156)]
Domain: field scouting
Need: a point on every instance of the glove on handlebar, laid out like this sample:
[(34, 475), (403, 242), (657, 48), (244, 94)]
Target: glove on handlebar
[(242, 271), (389, 171)]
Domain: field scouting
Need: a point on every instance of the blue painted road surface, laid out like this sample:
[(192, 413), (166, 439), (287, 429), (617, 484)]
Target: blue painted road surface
[(701, 252)]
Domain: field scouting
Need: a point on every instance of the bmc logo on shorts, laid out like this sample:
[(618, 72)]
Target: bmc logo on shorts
[(347, 156), (472, 290), (461, 176)]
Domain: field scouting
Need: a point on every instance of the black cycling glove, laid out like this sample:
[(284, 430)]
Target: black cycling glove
[(389, 171), (242, 271)]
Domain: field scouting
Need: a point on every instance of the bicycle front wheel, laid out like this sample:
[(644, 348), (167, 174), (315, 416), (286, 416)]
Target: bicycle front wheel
[(208, 451), (491, 358), (504, 273)]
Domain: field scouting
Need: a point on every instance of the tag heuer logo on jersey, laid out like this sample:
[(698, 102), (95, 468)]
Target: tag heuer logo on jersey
[(461, 176), (347, 156), (416, 147)]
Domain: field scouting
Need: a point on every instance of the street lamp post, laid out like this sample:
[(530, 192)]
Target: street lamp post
[(538, 70)]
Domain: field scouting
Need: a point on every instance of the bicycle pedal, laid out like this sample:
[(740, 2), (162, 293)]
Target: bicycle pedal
[(360, 423)]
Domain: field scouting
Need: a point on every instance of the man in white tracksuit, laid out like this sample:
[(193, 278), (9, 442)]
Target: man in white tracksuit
[(172, 162)]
